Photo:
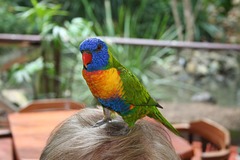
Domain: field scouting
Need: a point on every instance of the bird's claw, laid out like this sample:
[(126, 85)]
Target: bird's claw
[(123, 131), (102, 121), (116, 128)]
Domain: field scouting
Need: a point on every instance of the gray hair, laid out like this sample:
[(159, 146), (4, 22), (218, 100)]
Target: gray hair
[(76, 139)]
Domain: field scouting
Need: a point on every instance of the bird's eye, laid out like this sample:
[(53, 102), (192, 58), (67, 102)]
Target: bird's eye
[(99, 47)]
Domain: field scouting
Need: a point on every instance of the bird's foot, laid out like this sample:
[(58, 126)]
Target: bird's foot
[(102, 121), (117, 128)]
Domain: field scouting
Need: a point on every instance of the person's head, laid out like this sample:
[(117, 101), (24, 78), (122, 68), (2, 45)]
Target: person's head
[(76, 139)]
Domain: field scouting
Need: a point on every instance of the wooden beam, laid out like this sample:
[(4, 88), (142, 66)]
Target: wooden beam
[(19, 40), (20, 37), (36, 40), (21, 58), (17, 60), (173, 44)]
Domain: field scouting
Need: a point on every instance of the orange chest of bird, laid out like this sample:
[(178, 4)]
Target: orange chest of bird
[(104, 84)]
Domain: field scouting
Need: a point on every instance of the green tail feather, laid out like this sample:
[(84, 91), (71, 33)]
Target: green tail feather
[(159, 117)]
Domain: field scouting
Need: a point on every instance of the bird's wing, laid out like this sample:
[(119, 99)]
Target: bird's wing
[(135, 93)]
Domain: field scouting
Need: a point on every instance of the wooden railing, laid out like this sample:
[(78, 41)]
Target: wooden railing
[(172, 44), (29, 40), (19, 39)]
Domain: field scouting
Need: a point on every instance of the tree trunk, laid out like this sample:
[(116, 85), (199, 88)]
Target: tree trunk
[(189, 20), (176, 19), (45, 77), (57, 68)]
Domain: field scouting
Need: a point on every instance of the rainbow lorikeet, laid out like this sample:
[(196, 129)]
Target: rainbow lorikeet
[(115, 87)]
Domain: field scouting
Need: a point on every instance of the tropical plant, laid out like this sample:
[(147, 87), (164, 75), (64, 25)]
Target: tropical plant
[(10, 23), (41, 16), (71, 34), (199, 19), (26, 75), (60, 72)]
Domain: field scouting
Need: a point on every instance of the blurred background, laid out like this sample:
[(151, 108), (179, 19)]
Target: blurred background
[(50, 65)]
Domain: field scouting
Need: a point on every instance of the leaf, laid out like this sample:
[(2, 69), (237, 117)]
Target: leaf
[(34, 66), (127, 24), (109, 21)]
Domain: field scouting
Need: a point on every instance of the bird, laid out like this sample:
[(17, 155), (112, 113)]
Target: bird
[(116, 88)]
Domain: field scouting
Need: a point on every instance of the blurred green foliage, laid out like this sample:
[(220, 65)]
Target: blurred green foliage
[(60, 23), (40, 16), (110, 17), (10, 23)]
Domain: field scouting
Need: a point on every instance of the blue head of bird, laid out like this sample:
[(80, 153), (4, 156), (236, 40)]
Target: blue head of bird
[(95, 54)]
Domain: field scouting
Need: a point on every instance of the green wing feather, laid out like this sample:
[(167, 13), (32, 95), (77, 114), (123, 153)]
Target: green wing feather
[(135, 92), (156, 114), (137, 95)]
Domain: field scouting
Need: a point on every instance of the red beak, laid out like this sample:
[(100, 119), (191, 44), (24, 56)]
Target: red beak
[(87, 58)]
